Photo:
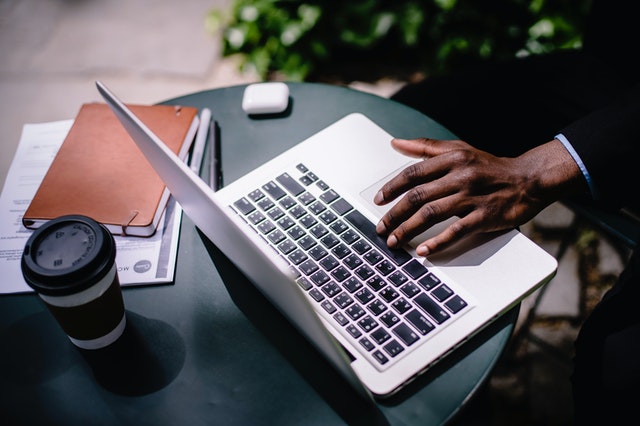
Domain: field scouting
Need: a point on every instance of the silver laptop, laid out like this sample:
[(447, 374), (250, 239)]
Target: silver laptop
[(301, 228)]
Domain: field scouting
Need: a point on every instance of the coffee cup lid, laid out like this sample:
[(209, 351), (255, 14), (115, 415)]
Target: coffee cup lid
[(67, 255)]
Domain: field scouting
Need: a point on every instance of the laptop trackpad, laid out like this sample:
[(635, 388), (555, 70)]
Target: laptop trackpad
[(378, 211)]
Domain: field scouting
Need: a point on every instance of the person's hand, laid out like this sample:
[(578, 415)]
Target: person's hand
[(487, 193)]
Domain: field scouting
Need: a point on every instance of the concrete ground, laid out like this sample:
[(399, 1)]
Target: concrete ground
[(52, 52)]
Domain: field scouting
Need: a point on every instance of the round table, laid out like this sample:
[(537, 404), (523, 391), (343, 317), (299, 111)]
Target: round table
[(209, 348)]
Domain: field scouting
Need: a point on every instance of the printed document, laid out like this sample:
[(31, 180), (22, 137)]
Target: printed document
[(140, 260)]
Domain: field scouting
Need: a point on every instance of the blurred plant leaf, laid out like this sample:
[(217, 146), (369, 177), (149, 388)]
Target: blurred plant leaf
[(314, 39)]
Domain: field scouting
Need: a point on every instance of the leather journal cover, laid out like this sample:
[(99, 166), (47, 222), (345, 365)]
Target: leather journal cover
[(100, 172)]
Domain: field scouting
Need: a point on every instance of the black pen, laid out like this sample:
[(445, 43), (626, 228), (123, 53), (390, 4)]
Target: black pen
[(215, 173)]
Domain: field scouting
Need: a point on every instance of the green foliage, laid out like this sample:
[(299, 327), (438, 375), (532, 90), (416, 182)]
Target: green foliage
[(366, 39)]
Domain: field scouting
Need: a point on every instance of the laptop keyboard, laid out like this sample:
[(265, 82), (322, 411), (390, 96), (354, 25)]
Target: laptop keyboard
[(384, 301)]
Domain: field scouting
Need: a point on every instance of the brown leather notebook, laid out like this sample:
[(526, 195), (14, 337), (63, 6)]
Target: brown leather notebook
[(100, 172)]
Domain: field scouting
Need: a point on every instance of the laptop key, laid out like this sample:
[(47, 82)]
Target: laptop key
[(296, 232), (308, 267), (319, 231), (410, 289), (398, 278), (389, 294), (340, 273), (275, 213), (364, 295), (368, 229), (331, 289), (297, 256), (366, 343), (328, 306), (353, 331), (350, 236), (286, 247), (341, 206), (442, 293), (306, 198), (361, 246), (306, 180), (304, 283), (373, 257), (286, 222), (455, 304), (298, 211), (376, 283), (355, 311), (380, 336), (340, 251), (322, 185), (319, 278), (327, 217), (352, 284), (385, 267), (276, 237), (290, 184), (329, 240), (432, 308), (338, 227), (340, 318), (317, 252), (273, 190), (406, 334), (317, 207), (256, 195), (287, 202), (367, 323), (266, 227), (329, 262), (364, 272), (419, 321), (379, 356), (329, 196), (389, 319), (429, 281), (265, 204), (352, 261), (316, 294), (343, 300), (401, 305), (244, 206), (306, 242), (393, 348), (376, 307), (415, 269), (308, 221)]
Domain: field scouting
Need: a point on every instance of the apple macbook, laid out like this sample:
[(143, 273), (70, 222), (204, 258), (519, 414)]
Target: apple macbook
[(301, 227)]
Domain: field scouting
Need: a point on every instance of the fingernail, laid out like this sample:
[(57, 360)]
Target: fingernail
[(422, 251), (379, 198), (392, 241), (380, 228)]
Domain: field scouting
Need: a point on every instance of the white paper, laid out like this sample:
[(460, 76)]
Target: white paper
[(139, 260)]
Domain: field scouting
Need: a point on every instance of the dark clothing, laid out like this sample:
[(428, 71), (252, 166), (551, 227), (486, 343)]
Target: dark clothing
[(508, 108), (592, 96), (606, 377)]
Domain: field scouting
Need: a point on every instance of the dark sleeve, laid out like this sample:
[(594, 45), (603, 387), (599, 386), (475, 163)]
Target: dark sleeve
[(608, 142)]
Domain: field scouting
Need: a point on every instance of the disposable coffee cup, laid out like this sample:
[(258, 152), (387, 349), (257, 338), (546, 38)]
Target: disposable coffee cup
[(70, 262)]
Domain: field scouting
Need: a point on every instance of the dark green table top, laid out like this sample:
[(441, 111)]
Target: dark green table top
[(210, 349)]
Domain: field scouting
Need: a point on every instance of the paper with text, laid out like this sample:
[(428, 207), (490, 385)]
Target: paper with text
[(139, 260)]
